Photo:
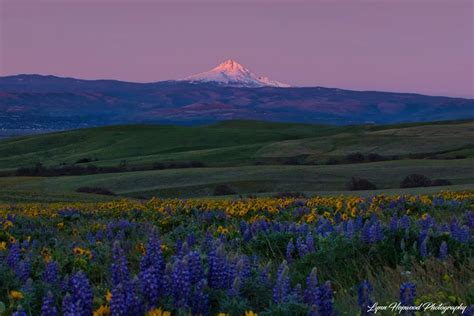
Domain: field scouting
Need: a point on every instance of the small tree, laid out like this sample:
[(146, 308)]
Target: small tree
[(223, 189), (357, 184), (415, 180)]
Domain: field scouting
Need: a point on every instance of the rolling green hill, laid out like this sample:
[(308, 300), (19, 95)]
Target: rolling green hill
[(251, 157), (235, 143)]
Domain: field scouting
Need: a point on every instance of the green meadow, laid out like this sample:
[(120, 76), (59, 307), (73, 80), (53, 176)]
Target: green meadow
[(250, 157)]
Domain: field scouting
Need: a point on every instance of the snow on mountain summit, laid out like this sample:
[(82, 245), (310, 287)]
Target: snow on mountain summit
[(232, 73)]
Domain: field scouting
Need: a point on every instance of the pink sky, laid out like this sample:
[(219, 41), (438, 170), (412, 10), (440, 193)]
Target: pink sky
[(423, 46)]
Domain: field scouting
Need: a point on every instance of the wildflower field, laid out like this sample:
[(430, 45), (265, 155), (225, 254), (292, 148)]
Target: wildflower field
[(265, 256)]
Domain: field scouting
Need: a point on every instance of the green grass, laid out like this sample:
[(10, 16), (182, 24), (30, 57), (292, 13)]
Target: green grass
[(231, 150), (234, 143), (248, 179)]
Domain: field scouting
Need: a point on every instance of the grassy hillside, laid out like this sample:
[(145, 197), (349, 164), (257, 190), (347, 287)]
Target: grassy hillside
[(235, 143), (245, 180), (250, 157)]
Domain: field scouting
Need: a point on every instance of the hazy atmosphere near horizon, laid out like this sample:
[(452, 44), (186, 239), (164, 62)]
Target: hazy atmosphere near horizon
[(422, 46)]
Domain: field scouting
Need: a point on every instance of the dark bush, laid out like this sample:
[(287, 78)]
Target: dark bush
[(95, 190), (332, 161), (375, 157), (86, 160), (223, 189), (357, 184), (355, 158), (440, 182), (415, 180), (177, 165)]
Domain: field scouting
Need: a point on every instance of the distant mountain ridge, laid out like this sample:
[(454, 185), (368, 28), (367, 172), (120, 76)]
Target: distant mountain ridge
[(49, 102)]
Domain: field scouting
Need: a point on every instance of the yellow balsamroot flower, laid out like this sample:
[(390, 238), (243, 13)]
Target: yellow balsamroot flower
[(60, 225), (354, 212), (82, 252), (103, 310), (222, 230), (424, 216), (7, 224), (158, 312), (223, 314), (11, 239), (164, 247), (16, 295), (79, 251), (141, 248), (327, 214), (344, 217), (339, 205), (250, 313), (108, 296), (3, 245)]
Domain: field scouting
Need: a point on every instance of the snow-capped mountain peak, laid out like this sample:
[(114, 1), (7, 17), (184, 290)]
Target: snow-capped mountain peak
[(232, 73)]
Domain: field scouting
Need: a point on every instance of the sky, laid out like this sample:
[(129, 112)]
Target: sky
[(423, 46)]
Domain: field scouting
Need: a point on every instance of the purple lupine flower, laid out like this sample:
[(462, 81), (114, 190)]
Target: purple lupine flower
[(469, 216), (196, 268), (311, 292), (264, 276), (81, 294), (67, 305), (49, 306), (443, 250), (199, 302), (118, 304), (364, 297), (181, 283), (407, 295), (120, 272), (150, 287), (301, 246), (460, 234), (424, 247), (191, 240), (28, 286), (394, 224), (235, 288), (296, 293), (372, 232), (349, 229), (51, 273), (404, 222), (469, 311), (218, 274), (14, 255), (23, 270), (310, 242), (282, 285), (19, 312), (124, 289), (290, 249), (325, 300), (151, 272)]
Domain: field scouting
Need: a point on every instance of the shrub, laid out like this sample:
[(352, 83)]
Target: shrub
[(355, 158), (223, 189), (85, 160), (415, 180), (357, 184), (95, 190), (332, 161), (440, 182), (375, 157), (177, 165)]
